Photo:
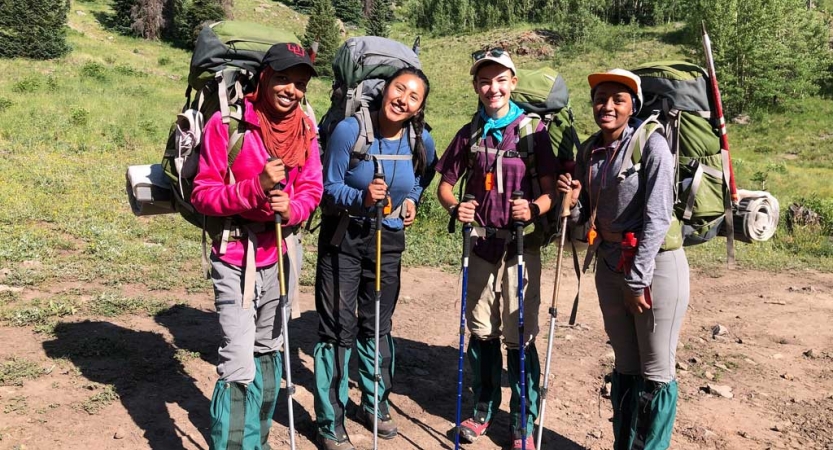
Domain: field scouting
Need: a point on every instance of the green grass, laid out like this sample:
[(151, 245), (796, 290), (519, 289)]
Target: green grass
[(109, 304), (39, 312), (69, 127), (14, 371), (100, 400)]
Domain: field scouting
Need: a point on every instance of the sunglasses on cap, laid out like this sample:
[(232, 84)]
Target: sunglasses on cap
[(494, 52)]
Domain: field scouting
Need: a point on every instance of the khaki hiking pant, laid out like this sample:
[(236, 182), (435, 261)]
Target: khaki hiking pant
[(492, 298)]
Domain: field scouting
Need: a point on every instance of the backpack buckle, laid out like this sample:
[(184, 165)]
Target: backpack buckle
[(512, 154)]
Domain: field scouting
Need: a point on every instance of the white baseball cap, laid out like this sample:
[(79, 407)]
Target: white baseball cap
[(496, 55)]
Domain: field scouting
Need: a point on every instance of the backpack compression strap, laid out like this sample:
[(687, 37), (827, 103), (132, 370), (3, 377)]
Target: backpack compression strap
[(223, 79)]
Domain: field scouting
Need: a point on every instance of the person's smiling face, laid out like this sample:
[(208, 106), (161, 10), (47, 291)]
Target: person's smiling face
[(493, 84), (612, 107), (404, 97), (288, 87)]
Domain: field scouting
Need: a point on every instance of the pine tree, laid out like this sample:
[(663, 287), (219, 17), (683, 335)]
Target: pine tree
[(378, 23), (322, 27), (349, 11), (33, 28), (120, 20)]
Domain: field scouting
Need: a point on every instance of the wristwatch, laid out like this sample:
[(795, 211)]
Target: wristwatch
[(534, 209)]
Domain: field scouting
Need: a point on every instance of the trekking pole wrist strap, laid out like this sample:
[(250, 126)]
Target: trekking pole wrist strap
[(452, 210)]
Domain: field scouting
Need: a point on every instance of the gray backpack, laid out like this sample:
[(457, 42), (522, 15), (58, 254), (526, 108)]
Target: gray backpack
[(360, 68)]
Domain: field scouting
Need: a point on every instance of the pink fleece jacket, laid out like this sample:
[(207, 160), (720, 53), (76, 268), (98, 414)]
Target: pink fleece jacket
[(213, 195)]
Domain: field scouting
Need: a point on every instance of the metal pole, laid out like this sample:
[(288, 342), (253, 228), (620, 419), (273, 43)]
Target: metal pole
[(465, 271), (377, 377), (565, 213), (519, 240), (284, 304)]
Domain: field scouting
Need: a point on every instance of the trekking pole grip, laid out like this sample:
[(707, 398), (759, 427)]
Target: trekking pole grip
[(278, 186), (519, 225), (565, 203), (380, 204), (467, 230)]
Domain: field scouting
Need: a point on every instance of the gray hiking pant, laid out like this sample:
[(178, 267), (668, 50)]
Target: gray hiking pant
[(646, 344), (250, 329)]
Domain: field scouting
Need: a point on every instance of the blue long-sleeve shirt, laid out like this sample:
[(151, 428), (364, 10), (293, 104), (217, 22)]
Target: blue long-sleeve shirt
[(345, 187)]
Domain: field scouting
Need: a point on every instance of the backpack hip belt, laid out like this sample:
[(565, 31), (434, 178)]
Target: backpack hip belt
[(345, 217), (344, 221), (611, 236), (239, 232), (492, 232)]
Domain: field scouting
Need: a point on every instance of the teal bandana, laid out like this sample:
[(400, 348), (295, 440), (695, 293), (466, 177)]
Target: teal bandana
[(496, 126)]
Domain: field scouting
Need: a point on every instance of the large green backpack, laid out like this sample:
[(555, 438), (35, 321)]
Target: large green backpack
[(543, 95), (677, 96), (224, 68)]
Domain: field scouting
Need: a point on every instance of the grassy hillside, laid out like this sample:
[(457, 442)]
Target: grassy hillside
[(69, 127)]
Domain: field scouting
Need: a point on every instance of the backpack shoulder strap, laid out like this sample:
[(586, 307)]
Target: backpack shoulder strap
[(236, 133), (526, 149), (639, 139), (474, 139), (584, 148), (364, 139)]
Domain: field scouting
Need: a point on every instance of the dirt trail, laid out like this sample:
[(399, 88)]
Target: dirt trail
[(161, 369)]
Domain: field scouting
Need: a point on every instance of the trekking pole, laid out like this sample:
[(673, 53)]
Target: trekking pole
[(284, 305), (565, 213), (465, 270), (519, 240), (377, 377)]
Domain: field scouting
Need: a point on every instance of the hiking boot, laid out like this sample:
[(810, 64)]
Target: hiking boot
[(386, 427), (325, 443), (517, 443), (473, 428)]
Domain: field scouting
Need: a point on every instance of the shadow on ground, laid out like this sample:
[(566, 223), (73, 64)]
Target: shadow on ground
[(144, 371)]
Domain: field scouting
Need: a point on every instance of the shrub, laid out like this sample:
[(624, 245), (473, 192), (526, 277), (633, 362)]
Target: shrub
[(824, 208), (27, 85), (33, 28), (94, 70), (78, 116)]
